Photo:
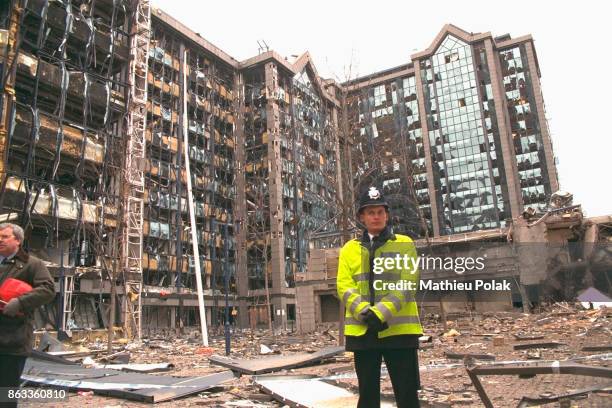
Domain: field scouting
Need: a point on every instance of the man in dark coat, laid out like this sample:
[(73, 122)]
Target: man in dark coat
[(16, 317)]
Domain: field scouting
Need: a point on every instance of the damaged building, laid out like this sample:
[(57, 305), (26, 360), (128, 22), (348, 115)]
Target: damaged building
[(118, 123), (191, 113), (291, 177), (554, 257), (468, 117)]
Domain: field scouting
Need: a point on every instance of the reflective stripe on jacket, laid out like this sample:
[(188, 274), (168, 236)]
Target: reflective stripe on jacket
[(394, 305)]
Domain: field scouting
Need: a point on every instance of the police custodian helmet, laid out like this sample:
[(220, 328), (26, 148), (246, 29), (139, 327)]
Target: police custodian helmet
[(372, 197)]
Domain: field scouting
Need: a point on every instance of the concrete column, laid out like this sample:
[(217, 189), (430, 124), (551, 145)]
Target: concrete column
[(276, 239), (549, 155), (305, 308), (240, 215), (505, 134), (427, 147), (334, 123), (348, 198)]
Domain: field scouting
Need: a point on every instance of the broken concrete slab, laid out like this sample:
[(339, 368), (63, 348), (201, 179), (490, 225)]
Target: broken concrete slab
[(122, 357), (114, 383), (275, 363), (485, 334), (134, 367), (39, 355), (73, 354), (545, 320), (308, 391)]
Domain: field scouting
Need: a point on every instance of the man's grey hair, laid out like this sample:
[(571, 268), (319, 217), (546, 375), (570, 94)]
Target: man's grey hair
[(17, 230)]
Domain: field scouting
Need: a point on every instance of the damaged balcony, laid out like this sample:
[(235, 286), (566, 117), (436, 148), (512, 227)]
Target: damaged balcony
[(52, 205), (107, 40), (74, 146)]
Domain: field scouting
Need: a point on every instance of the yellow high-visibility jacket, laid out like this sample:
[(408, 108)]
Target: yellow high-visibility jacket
[(396, 307)]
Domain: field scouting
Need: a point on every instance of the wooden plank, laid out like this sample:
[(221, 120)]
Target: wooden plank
[(461, 356), (526, 346)]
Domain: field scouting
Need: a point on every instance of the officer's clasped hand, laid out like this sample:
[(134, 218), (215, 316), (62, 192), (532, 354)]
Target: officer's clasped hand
[(373, 322)]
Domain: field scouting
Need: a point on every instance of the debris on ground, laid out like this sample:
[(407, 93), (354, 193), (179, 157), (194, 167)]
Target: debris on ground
[(565, 333)]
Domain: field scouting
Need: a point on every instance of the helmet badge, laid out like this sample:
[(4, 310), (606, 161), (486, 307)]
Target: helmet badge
[(373, 193)]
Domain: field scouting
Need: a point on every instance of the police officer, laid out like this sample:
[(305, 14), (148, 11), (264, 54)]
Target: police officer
[(380, 321)]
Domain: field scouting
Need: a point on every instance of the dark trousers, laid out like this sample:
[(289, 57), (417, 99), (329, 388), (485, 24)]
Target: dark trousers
[(403, 368), (11, 368)]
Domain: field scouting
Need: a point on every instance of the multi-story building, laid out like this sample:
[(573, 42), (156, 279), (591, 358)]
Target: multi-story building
[(256, 139), (190, 115), (465, 123), (291, 172)]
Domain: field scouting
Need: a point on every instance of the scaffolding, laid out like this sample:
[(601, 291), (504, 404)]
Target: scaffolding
[(134, 173)]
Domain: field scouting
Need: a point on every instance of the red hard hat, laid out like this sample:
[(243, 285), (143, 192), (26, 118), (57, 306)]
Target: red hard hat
[(12, 288)]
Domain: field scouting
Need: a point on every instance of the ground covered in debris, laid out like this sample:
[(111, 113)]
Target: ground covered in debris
[(562, 333)]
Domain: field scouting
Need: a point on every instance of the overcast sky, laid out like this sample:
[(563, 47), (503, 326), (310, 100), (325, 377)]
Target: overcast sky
[(571, 42)]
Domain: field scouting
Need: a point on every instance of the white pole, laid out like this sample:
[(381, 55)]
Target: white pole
[(194, 235)]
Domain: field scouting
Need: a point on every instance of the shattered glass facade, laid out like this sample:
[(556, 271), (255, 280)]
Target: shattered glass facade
[(416, 151), (316, 146), (461, 149), (307, 144), (65, 138), (256, 178)]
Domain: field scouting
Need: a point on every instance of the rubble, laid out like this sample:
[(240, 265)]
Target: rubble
[(578, 336)]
